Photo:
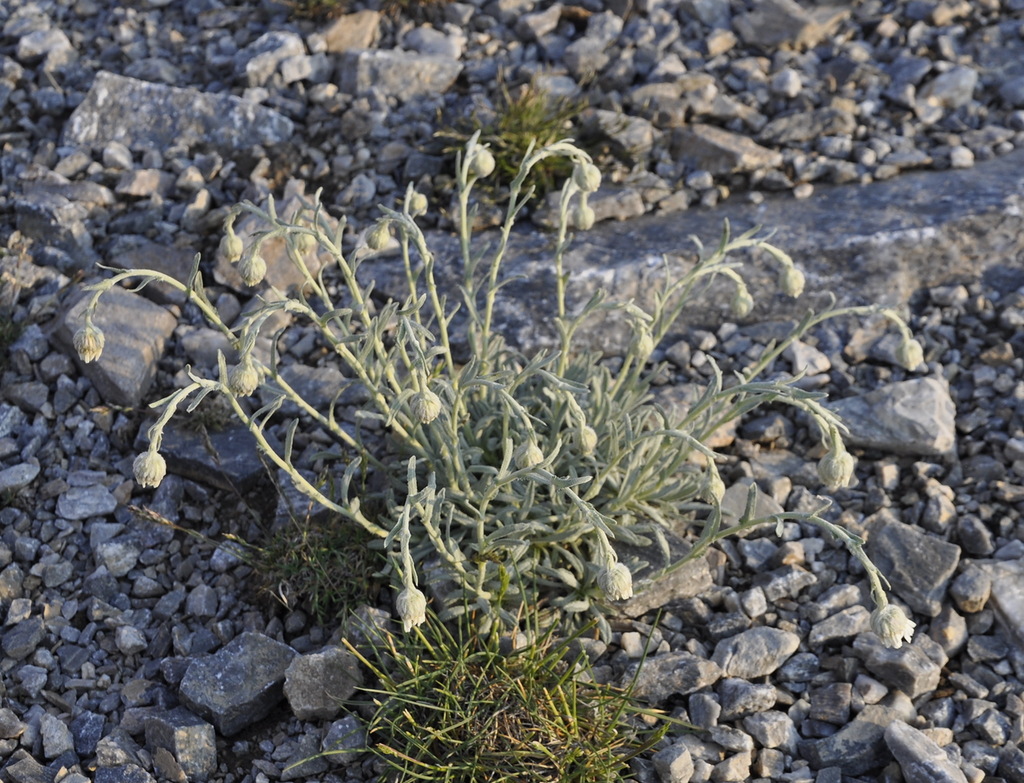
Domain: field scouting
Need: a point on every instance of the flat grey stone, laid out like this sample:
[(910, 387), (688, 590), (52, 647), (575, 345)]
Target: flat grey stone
[(663, 581), (920, 759), (135, 332), (258, 61), (915, 417), (756, 652), (719, 151), (233, 463), (673, 764), (1007, 595), (807, 125), (917, 565), (56, 221), (403, 75), (675, 672), (21, 639), (910, 668), (774, 23), (17, 477), (239, 684), (56, 736), (317, 685), (85, 502), (344, 740), (146, 115), (859, 746)]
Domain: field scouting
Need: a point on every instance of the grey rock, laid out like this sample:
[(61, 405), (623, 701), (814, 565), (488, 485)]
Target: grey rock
[(910, 417), (1007, 596), (130, 640), (804, 126), (57, 738), (971, 589), (756, 652), (56, 221), (234, 462), (352, 31), (917, 565), (238, 685), (909, 668), (673, 764), (660, 581), (671, 673), (145, 115), (135, 330), (344, 740), (28, 770), (52, 46), (187, 737), (840, 627), (403, 75), (719, 151), (633, 136), (17, 477), (920, 759), (430, 40), (123, 773), (173, 261), (859, 746), (739, 698), (585, 57), (317, 685), (85, 502), (21, 640), (120, 554), (259, 60), (772, 729), (952, 89), (775, 23)]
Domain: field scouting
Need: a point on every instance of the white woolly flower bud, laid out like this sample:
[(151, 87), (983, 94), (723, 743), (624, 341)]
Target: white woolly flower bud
[(583, 216), (425, 406), (587, 438), (643, 342), (528, 455), (231, 246), (149, 468), (791, 281), (252, 267), (304, 243), (742, 302), (910, 354), (482, 163), (417, 204), (243, 378), (587, 177), (835, 469), (379, 236), (616, 582), (892, 626), (89, 342), (411, 606), (715, 490)]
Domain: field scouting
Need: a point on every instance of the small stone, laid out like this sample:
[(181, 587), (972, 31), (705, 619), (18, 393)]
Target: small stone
[(952, 89), (188, 738), (57, 738), (22, 639), (130, 640), (755, 653), (772, 729), (404, 75), (971, 590), (672, 673), (673, 764), (840, 627), (909, 668), (739, 698), (119, 555), (317, 685), (344, 740), (17, 477)]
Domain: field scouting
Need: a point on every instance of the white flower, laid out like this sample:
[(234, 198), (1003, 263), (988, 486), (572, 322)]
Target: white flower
[(243, 378), (425, 406), (89, 342), (791, 281), (482, 162), (910, 354), (252, 267), (586, 176), (835, 469), (411, 605), (892, 626), (616, 582), (149, 468)]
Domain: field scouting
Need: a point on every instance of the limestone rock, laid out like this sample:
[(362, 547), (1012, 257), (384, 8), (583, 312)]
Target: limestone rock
[(352, 31), (135, 331), (187, 737), (672, 673), (56, 221), (917, 565), (1007, 596), (259, 60), (146, 115), (317, 685), (859, 745), (238, 685), (719, 151), (403, 75), (920, 759), (806, 125), (785, 23), (915, 417), (755, 653)]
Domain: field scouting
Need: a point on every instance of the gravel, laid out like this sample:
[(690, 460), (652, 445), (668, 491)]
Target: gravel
[(127, 131)]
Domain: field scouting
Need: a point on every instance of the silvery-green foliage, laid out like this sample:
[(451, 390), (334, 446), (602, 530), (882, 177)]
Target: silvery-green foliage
[(510, 479)]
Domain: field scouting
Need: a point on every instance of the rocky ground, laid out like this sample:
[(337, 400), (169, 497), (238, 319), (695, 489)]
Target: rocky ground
[(132, 650)]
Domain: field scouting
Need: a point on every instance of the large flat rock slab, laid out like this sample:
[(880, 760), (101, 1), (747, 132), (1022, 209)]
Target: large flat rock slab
[(875, 243)]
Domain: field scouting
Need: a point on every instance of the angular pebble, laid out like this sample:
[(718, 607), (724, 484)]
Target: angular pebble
[(920, 759), (755, 653), (317, 685)]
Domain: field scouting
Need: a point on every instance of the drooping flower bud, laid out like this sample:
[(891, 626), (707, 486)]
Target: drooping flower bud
[(791, 281), (615, 581), (425, 406), (417, 204), (835, 469), (252, 267), (583, 216), (587, 438), (231, 246), (411, 606), (742, 302), (528, 455), (892, 626), (304, 243), (379, 236), (643, 342), (482, 163), (243, 378), (149, 468), (89, 342), (715, 490), (586, 176), (910, 354)]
